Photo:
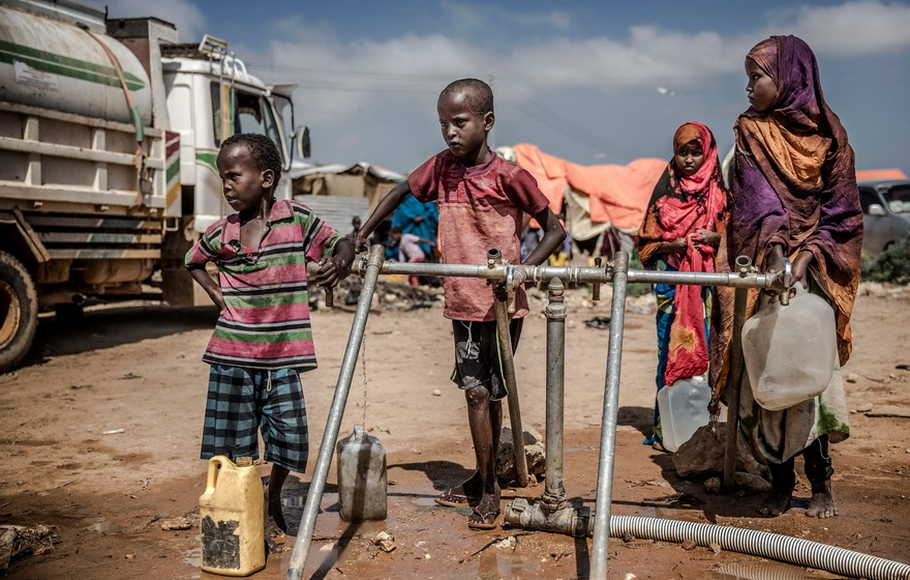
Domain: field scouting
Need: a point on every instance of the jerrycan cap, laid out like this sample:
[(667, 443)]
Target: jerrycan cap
[(359, 432)]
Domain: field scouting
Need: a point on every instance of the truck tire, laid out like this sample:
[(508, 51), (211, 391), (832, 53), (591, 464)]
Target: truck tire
[(18, 311)]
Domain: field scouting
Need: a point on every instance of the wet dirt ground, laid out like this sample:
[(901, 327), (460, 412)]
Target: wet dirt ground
[(137, 368)]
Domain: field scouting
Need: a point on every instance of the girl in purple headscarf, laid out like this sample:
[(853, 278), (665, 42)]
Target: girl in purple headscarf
[(794, 197)]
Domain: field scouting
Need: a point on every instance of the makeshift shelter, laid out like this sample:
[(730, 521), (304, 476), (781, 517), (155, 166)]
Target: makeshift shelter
[(338, 192), (597, 197), (875, 174)]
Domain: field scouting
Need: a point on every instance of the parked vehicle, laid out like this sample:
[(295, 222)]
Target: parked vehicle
[(109, 131), (886, 213)]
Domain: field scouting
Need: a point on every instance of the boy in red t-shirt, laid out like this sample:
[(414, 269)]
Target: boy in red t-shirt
[(482, 201)]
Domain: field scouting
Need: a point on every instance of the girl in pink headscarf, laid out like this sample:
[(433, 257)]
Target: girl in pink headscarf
[(680, 233)]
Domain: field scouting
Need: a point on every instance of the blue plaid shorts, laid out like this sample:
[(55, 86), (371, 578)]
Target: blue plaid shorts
[(243, 402)]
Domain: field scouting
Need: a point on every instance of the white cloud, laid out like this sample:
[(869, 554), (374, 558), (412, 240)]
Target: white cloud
[(184, 14), (855, 28)]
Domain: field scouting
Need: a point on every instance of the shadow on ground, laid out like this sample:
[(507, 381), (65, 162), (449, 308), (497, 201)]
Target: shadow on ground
[(110, 327)]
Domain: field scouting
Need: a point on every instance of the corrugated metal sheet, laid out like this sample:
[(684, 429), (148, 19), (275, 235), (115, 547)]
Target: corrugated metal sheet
[(337, 210)]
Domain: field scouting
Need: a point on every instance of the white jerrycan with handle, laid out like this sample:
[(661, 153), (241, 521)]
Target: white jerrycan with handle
[(790, 351)]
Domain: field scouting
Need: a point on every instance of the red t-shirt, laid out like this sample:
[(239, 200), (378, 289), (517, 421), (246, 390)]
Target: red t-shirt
[(480, 208)]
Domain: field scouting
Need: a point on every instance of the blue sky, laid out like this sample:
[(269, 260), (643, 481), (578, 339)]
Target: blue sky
[(593, 82)]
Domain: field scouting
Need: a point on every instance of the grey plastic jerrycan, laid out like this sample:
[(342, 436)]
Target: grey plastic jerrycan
[(362, 482)]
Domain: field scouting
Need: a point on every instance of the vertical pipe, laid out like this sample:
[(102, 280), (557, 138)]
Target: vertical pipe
[(508, 371), (734, 383), (608, 421), (554, 494), (333, 424), (500, 307)]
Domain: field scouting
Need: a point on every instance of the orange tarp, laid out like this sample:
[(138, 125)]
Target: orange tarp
[(880, 174), (619, 193)]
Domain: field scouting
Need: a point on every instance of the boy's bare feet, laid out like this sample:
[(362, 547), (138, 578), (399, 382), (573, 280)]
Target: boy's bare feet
[(486, 512), (822, 503), (466, 493), (776, 502)]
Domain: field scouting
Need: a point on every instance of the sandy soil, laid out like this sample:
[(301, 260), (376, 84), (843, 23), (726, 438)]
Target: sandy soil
[(137, 368)]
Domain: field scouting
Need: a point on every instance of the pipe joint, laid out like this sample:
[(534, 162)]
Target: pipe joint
[(556, 302)]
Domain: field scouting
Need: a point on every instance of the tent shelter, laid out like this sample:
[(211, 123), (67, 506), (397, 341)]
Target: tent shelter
[(597, 197), (338, 192)]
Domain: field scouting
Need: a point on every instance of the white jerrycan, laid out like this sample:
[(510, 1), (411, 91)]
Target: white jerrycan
[(790, 351), (683, 409)]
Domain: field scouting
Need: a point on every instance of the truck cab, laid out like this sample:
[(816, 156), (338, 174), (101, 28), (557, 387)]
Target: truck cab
[(109, 131), (210, 97)]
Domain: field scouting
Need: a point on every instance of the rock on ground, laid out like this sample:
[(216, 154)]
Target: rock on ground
[(23, 540), (535, 455), (703, 455)]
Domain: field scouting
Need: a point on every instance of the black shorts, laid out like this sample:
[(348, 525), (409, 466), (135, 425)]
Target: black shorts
[(477, 360)]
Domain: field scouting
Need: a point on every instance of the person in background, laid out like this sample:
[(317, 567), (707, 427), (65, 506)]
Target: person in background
[(420, 219), (680, 233), (409, 249), (794, 196)]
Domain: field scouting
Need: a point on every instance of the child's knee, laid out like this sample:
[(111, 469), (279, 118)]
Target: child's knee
[(477, 396)]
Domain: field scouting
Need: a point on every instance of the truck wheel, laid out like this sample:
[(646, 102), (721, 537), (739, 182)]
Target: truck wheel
[(18, 311)]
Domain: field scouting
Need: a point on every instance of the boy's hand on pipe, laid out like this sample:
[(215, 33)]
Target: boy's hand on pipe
[(360, 243), (331, 270)]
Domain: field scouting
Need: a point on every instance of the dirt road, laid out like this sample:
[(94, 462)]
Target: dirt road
[(138, 369)]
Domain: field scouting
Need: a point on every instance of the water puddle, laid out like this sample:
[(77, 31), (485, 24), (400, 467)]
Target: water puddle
[(764, 571)]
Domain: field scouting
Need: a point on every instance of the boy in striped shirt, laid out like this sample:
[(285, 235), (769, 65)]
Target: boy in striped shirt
[(262, 339)]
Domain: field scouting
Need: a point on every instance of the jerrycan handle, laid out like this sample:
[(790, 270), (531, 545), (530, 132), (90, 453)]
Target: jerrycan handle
[(215, 465)]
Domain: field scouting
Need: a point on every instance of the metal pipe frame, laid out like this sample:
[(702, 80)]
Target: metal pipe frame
[(336, 413), (554, 495), (733, 385), (575, 274), (608, 419), (500, 304), (520, 512)]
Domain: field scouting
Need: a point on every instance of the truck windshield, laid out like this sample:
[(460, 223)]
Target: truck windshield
[(255, 116)]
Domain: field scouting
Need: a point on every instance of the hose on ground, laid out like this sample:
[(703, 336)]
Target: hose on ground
[(763, 544)]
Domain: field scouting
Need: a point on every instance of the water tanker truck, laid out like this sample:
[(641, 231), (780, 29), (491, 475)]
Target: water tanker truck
[(109, 130)]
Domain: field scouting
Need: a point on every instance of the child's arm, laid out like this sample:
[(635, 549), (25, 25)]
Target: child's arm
[(553, 236), (205, 250), (209, 285), (388, 205)]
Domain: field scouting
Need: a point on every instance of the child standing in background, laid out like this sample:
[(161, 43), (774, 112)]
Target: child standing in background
[(680, 234)]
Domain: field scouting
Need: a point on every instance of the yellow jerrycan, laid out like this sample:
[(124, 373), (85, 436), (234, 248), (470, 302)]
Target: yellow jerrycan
[(232, 519)]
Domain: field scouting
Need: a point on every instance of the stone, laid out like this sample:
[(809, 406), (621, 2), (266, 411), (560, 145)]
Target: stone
[(751, 483), (385, 541), (18, 541), (174, 524), (688, 545), (507, 543), (535, 455), (703, 454)]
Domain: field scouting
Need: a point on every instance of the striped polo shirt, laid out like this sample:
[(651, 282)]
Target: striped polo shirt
[(266, 320)]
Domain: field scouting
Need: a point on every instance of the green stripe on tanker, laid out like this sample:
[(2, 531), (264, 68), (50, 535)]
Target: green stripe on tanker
[(50, 62)]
